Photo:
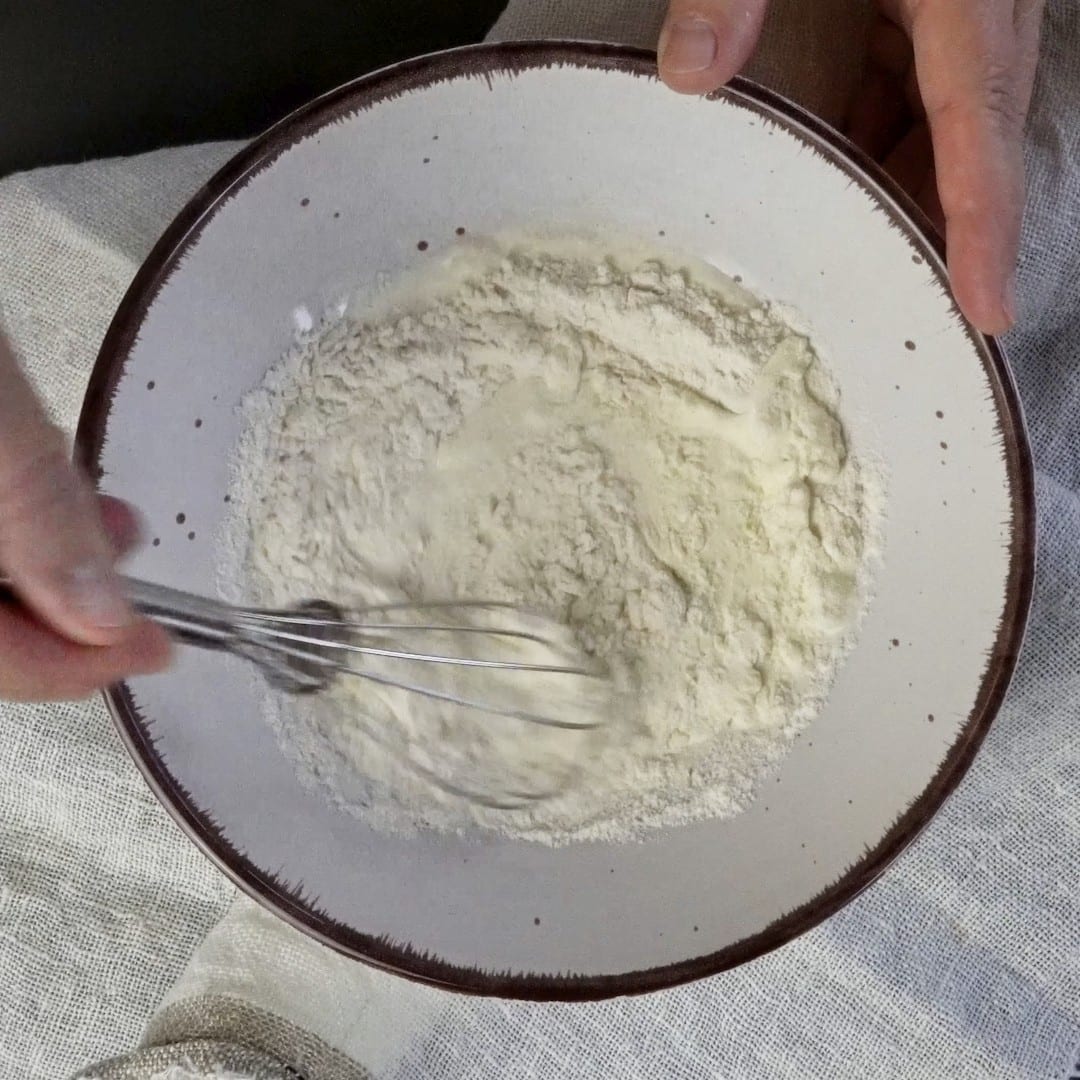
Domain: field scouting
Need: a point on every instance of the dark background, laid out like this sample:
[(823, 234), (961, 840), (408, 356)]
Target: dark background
[(83, 79)]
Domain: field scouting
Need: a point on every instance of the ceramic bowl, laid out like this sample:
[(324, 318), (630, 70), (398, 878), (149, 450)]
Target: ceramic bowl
[(369, 181)]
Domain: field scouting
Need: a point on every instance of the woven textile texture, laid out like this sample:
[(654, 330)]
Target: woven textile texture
[(963, 961)]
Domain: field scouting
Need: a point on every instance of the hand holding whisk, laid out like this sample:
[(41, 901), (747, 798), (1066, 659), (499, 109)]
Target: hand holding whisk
[(303, 649)]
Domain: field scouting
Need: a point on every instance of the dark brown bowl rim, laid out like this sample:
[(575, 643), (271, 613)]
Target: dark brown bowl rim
[(289, 902)]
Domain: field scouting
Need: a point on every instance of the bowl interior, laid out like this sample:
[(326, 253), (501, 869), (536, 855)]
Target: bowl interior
[(344, 196)]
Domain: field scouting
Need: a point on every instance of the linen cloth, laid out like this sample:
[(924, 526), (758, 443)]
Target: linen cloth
[(962, 961)]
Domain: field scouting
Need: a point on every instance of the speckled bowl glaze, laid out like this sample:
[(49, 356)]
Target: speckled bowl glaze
[(387, 171)]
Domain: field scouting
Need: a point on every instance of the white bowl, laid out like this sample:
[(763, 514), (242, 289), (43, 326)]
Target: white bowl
[(346, 191)]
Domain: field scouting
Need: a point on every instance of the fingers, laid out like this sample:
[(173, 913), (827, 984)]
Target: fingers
[(121, 523), (705, 42), (975, 79), (58, 543), (39, 665), (53, 544)]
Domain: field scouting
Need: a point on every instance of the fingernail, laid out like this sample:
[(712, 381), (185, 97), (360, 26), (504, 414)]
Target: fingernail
[(1008, 298), (689, 45), (96, 594)]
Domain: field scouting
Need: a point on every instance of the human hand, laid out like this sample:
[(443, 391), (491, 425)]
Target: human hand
[(58, 544), (944, 99)]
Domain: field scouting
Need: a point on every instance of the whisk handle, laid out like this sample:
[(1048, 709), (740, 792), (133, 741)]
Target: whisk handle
[(193, 620)]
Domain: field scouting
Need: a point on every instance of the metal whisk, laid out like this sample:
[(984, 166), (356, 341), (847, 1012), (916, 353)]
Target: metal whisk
[(302, 650)]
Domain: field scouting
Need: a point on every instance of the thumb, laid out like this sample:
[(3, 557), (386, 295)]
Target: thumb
[(705, 42), (53, 545)]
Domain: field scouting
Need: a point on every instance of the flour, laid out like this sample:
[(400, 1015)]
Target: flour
[(644, 451)]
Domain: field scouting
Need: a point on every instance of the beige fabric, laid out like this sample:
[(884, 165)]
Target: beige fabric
[(101, 899), (256, 980), (961, 962), (191, 1060), (226, 1020)]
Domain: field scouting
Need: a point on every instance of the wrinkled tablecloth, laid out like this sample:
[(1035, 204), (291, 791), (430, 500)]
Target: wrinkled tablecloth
[(962, 961)]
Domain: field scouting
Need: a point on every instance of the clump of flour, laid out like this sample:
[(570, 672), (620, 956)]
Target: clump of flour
[(645, 452)]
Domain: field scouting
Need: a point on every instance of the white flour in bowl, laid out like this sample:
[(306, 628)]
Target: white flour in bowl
[(644, 451)]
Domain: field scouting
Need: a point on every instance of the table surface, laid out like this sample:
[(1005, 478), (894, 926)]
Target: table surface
[(81, 81)]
